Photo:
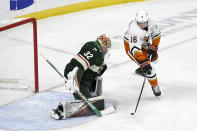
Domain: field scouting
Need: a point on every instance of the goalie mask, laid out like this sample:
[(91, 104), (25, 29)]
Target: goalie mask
[(104, 43)]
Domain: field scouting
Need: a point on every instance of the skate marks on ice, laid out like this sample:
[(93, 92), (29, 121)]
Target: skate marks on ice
[(31, 114)]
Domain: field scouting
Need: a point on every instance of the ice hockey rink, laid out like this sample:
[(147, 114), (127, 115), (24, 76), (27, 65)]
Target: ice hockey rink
[(60, 38)]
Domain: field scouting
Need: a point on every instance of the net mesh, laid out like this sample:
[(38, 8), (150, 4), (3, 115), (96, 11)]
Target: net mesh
[(17, 57)]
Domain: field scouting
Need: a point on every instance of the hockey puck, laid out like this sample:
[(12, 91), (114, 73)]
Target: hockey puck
[(132, 113)]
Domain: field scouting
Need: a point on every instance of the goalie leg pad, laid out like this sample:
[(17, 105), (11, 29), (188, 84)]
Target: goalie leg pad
[(77, 108), (84, 89)]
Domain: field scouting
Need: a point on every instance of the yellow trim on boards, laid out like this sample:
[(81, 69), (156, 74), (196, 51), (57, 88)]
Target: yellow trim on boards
[(75, 8)]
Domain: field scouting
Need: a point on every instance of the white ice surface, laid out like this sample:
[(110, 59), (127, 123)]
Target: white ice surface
[(61, 37)]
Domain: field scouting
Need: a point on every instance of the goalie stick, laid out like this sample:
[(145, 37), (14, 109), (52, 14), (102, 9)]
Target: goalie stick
[(87, 102)]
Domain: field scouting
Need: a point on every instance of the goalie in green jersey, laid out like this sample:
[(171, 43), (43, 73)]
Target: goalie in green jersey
[(90, 64), (83, 73)]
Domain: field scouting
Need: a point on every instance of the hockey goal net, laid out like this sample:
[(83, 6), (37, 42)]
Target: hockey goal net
[(18, 54)]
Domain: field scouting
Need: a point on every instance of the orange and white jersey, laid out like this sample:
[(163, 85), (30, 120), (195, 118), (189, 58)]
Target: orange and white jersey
[(136, 39)]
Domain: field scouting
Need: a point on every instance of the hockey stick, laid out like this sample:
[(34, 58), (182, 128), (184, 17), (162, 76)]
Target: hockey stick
[(87, 102), (141, 91), (139, 96)]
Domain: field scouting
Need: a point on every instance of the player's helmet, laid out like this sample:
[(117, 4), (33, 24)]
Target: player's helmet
[(142, 16), (104, 43)]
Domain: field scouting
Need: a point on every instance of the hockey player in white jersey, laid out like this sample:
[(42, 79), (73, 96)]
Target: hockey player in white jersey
[(141, 43)]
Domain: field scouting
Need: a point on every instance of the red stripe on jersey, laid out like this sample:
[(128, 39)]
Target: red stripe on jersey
[(84, 60)]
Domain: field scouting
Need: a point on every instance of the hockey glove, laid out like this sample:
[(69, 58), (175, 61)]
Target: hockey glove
[(146, 67), (152, 51), (72, 83)]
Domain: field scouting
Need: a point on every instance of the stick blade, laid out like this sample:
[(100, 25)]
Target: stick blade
[(109, 110), (132, 113)]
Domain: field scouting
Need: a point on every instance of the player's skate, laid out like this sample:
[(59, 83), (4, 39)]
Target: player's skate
[(57, 113), (156, 90)]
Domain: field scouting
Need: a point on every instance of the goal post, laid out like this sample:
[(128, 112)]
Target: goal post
[(34, 46)]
